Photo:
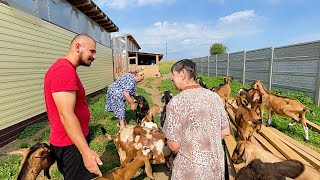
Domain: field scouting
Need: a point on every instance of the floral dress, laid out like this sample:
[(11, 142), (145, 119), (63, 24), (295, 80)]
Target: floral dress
[(115, 98), (195, 118)]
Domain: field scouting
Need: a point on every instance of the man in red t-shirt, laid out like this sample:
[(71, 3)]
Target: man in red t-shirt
[(69, 114)]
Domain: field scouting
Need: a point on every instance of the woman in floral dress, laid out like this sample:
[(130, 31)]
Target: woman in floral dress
[(196, 123), (119, 92)]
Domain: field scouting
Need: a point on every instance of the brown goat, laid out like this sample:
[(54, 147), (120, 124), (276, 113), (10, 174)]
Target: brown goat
[(128, 171), (247, 120), (257, 170), (147, 121), (284, 106), (246, 151), (131, 139), (224, 90), (35, 159), (255, 98)]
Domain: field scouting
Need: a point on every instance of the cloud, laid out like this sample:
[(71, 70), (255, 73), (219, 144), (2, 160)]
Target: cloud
[(245, 15), (122, 4), (188, 40)]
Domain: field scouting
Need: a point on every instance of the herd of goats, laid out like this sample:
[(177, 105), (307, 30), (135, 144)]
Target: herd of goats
[(145, 144)]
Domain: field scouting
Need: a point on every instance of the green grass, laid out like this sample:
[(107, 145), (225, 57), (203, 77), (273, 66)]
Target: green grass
[(33, 129), (280, 122), (9, 165), (165, 66), (149, 82)]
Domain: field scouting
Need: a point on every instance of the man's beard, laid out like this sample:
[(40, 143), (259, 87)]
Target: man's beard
[(88, 63)]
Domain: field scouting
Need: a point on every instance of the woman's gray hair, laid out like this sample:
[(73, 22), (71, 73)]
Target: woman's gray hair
[(186, 64)]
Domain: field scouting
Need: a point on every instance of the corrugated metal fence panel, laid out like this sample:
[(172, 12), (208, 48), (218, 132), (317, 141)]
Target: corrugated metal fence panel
[(258, 65), (28, 46), (222, 64), (212, 66), (295, 67), (198, 65), (236, 65), (204, 65)]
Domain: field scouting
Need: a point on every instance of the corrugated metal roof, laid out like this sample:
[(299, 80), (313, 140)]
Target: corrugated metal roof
[(89, 8)]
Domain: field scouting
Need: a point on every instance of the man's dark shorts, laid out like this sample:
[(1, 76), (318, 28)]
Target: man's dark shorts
[(70, 163)]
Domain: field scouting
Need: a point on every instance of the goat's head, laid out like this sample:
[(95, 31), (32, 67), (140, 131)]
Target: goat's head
[(238, 152), (227, 79), (36, 158), (256, 95), (141, 101), (256, 83), (200, 82), (166, 97)]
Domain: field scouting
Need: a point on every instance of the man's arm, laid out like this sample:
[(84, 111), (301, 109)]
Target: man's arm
[(65, 102)]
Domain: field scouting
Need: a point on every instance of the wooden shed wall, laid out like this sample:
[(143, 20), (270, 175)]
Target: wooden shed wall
[(28, 46)]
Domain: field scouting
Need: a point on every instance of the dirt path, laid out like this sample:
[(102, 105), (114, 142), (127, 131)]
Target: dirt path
[(163, 173), (153, 89)]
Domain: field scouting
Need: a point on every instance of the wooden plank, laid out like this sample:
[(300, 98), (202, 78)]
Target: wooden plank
[(313, 126), (231, 145), (231, 169), (268, 146), (282, 147), (300, 150)]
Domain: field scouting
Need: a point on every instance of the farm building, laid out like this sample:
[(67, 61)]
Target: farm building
[(127, 57), (33, 35)]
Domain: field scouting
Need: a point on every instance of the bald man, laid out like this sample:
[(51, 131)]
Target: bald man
[(68, 112)]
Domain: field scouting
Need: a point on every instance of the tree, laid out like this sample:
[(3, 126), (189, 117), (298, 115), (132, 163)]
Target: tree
[(217, 49)]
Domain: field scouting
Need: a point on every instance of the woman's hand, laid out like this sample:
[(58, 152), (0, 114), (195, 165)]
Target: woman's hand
[(133, 106)]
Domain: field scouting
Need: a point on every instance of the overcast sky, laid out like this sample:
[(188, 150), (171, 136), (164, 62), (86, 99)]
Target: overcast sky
[(190, 27)]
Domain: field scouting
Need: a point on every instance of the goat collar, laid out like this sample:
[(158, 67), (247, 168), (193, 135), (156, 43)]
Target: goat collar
[(191, 87)]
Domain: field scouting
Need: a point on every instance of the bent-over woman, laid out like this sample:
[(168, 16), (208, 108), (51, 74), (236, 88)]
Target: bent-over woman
[(119, 92)]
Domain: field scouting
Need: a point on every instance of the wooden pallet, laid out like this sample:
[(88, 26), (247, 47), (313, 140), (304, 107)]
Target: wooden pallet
[(274, 141)]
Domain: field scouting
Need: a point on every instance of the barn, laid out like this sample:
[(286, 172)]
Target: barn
[(34, 34), (128, 58)]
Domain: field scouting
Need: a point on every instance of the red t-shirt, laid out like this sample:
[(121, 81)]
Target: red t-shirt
[(62, 76)]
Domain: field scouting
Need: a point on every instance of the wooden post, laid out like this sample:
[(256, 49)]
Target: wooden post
[(157, 59), (271, 68)]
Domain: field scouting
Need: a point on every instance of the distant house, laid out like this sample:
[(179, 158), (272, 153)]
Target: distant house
[(127, 57), (33, 35)]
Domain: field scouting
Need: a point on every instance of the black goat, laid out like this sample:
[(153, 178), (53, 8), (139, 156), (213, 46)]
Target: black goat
[(142, 108), (165, 98), (200, 82), (257, 170)]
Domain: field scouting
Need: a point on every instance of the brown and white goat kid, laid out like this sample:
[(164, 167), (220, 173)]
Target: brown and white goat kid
[(224, 90), (131, 139), (35, 159), (147, 121), (246, 151), (128, 171), (258, 170), (284, 106), (255, 98), (247, 120)]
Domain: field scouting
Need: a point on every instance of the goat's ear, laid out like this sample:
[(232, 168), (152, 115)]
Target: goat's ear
[(23, 151), (148, 168)]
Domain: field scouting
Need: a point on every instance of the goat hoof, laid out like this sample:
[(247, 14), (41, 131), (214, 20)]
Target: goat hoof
[(306, 140), (268, 124)]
